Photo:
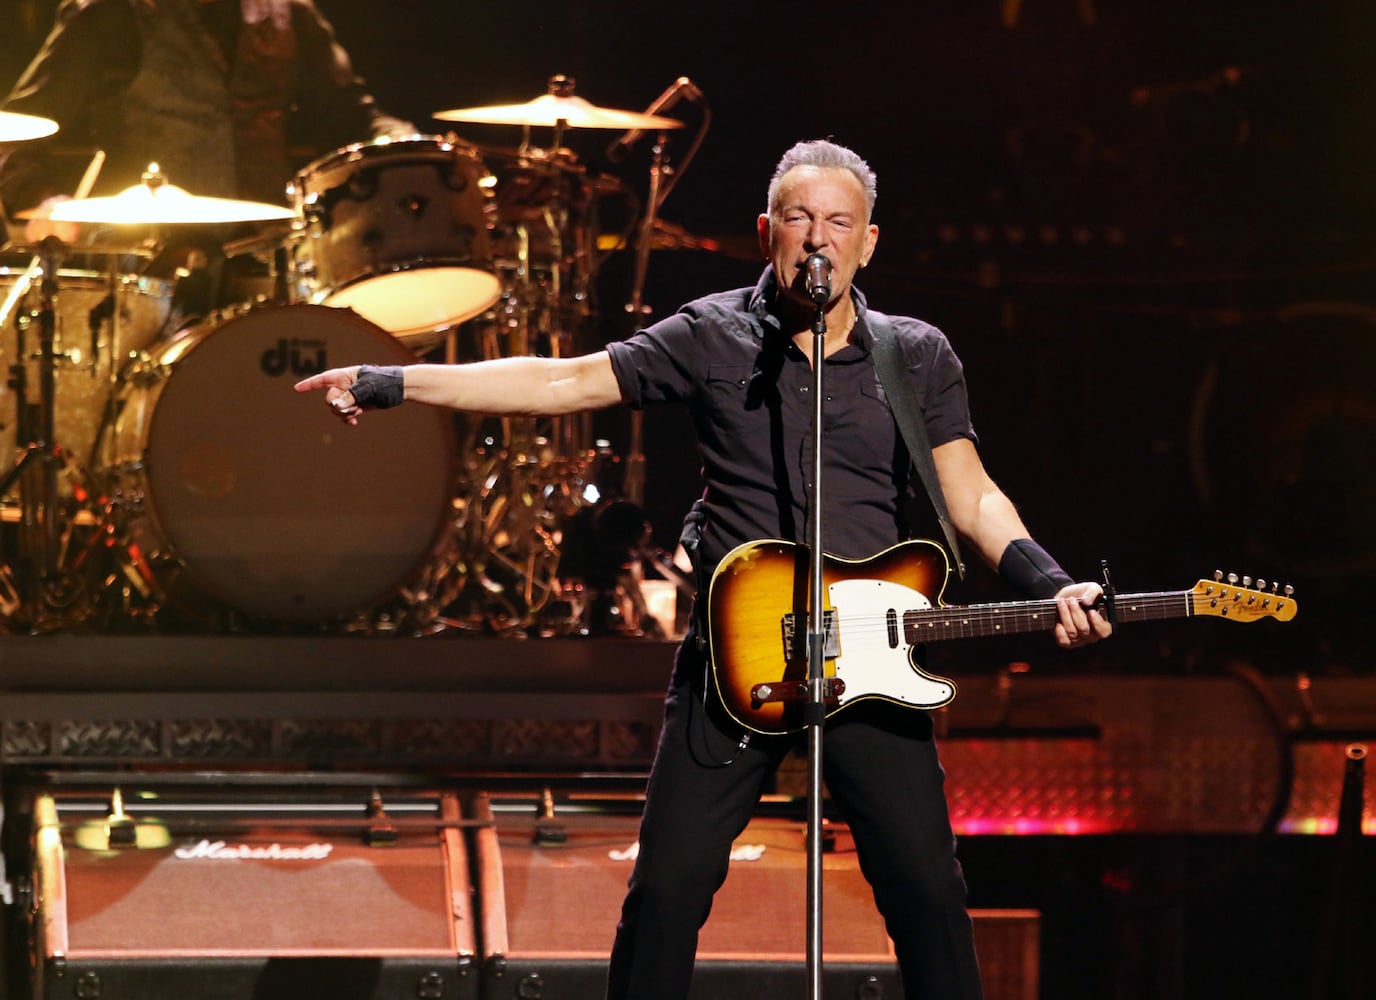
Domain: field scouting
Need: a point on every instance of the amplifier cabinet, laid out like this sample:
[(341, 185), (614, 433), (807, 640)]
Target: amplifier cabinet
[(549, 911), (331, 895)]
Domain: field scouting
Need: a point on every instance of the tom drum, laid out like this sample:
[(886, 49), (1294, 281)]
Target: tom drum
[(398, 231), (120, 315)]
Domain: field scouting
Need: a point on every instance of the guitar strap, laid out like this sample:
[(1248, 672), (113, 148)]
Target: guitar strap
[(907, 413)]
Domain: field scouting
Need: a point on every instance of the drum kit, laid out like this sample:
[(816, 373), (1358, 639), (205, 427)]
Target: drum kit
[(166, 477)]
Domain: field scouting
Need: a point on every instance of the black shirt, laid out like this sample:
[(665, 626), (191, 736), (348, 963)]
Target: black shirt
[(748, 387)]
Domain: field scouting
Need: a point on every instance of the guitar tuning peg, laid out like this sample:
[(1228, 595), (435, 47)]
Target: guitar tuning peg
[(1289, 590), (1232, 578), (1246, 581), (1261, 584), (1218, 575)]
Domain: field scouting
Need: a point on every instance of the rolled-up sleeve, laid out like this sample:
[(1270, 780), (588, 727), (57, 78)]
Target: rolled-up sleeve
[(659, 364)]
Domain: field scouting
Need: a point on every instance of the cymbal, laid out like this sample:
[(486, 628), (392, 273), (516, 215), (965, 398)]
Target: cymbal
[(551, 109), (163, 204), (15, 127)]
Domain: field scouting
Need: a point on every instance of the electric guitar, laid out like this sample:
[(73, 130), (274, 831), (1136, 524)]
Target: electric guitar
[(876, 613)]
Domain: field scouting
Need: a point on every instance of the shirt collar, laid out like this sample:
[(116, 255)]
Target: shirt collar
[(766, 293)]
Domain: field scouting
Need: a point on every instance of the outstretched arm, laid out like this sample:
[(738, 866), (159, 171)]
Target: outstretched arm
[(523, 386)]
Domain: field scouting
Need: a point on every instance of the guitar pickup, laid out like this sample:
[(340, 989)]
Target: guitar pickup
[(795, 639), (795, 691)]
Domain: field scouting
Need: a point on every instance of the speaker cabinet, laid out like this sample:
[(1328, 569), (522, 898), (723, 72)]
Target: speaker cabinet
[(334, 895), (550, 892)]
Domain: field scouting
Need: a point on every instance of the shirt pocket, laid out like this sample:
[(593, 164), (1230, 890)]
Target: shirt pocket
[(870, 429), (727, 385)]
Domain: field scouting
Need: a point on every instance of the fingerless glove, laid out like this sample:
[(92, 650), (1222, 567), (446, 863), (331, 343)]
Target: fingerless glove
[(1029, 569), (378, 387)]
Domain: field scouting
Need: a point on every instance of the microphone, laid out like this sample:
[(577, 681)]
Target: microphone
[(678, 90), (817, 268)]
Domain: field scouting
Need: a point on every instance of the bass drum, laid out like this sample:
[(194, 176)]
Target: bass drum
[(263, 501)]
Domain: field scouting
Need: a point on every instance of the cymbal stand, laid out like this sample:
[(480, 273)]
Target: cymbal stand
[(39, 508), (635, 445), (565, 431), (38, 513), (663, 178), (115, 354), (570, 303)]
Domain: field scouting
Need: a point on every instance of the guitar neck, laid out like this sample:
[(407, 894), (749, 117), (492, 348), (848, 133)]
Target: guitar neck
[(973, 620)]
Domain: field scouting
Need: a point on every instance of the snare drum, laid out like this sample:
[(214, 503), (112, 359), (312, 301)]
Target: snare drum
[(265, 502), (81, 378), (398, 231)]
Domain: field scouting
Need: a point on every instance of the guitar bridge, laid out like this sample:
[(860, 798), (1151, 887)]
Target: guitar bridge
[(795, 639)]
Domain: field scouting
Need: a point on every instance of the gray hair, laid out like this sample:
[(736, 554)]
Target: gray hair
[(825, 153)]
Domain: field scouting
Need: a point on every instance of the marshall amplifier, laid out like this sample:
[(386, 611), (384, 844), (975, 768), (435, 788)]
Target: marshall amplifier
[(335, 895), (550, 888)]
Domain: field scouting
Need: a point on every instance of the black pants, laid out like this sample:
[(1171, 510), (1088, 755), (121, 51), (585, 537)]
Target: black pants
[(882, 772)]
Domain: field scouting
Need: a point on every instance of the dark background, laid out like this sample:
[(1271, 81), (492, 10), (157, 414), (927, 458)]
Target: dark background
[(1147, 229)]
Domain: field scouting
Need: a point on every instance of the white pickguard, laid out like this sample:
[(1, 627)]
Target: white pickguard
[(867, 663)]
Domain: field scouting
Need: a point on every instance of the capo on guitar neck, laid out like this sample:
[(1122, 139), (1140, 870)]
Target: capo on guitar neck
[(1110, 605)]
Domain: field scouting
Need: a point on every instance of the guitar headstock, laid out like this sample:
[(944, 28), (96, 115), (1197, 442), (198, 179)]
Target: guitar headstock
[(1236, 599)]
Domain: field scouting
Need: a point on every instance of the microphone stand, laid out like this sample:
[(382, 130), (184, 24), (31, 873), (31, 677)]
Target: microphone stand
[(819, 688)]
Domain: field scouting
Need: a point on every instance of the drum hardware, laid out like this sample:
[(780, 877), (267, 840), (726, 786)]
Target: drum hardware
[(134, 585), (103, 555), (149, 540), (530, 481), (272, 246), (112, 313), (39, 537), (499, 568), (601, 558), (663, 178)]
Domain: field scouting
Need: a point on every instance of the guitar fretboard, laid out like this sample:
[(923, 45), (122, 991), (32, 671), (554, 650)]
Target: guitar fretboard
[(973, 620)]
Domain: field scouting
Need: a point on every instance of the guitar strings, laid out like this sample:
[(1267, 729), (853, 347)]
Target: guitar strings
[(960, 621)]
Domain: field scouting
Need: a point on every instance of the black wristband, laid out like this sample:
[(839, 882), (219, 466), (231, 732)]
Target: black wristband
[(1029, 569), (378, 388)]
